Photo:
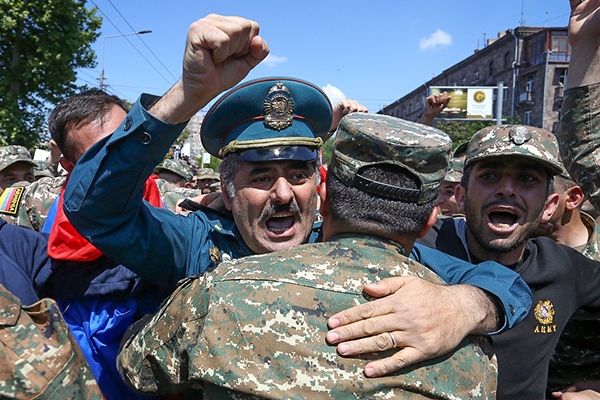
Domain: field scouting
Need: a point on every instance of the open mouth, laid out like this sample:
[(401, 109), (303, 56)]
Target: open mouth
[(503, 219), (280, 223)]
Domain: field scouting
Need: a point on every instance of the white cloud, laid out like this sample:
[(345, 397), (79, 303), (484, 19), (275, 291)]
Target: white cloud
[(272, 61), (334, 94), (436, 40)]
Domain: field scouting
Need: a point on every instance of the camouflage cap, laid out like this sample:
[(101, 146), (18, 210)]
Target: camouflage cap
[(455, 170), (42, 168), (178, 167), (371, 139), (515, 140), (207, 173), (12, 154)]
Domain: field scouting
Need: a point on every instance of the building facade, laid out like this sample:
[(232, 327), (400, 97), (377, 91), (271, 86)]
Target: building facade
[(532, 64)]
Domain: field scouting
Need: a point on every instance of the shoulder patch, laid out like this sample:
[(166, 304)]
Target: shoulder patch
[(10, 198)]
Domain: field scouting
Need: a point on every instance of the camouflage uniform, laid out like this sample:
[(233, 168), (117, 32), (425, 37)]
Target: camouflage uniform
[(171, 196), (38, 356), (579, 138), (35, 203), (577, 354), (257, 326)]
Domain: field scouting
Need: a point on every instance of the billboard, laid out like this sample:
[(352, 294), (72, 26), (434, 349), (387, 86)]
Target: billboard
[(467, 102)]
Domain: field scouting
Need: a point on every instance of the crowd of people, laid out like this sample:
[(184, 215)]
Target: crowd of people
[(400, 269)]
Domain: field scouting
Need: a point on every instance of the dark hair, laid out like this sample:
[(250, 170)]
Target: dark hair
[(368, 213), (561, 184), (78, 110)]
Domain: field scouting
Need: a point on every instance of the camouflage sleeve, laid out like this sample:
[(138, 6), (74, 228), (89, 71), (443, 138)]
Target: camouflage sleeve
[(171, 196), (39, 357), (579, 138), (149, 361)]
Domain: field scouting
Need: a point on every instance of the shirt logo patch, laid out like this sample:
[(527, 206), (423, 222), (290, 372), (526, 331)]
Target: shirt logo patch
[(544, 314), (9, 200)]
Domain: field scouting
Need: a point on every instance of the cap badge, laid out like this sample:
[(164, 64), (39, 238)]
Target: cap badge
[(279, 107), (519, 135)]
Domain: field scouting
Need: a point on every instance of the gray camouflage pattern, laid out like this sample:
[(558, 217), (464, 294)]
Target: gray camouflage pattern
[(579, 137), (35, 203), (515, 140), (207, 173), (370, 139), (39, 357), (178, 167), (577, 354), (172, 196), (39, 196), (12, 154), (455, 170), (255, 328)]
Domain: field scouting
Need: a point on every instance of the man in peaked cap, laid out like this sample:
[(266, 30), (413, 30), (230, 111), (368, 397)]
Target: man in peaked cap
[(379, 196), (16, 165), (268, 132), (508, 173), (275, 200)]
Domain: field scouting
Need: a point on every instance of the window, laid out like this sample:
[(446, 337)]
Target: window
[(562, 76), (507, 61), (476, 76), (561, 51), (491, 68), (527, 118), (464, 81), (529, 83)]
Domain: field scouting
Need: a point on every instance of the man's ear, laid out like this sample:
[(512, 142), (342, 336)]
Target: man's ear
[(324, 209), (575, 198), (66, 164), (460, 195), (430, 222), (550, 207)]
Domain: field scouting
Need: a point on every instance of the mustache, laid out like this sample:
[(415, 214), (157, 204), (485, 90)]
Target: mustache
[(506, 202), (291, 207)]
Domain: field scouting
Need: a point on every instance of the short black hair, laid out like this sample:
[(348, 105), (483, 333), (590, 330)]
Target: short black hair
[(77, 110), (364, 212)]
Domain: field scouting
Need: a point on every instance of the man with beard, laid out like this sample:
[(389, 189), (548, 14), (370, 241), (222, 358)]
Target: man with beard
[(507, 176)]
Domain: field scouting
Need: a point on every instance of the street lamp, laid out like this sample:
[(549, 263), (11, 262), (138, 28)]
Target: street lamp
[(102, 76)]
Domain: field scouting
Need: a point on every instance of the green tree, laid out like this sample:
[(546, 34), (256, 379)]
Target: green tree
[(42, 43), (462, 131)]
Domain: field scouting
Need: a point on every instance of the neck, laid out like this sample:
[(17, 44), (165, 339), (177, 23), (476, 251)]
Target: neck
[(483, 254), (330, 230), (572, 234)]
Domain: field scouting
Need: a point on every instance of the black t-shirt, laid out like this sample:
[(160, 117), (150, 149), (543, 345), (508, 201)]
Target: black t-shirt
[(562, 281)]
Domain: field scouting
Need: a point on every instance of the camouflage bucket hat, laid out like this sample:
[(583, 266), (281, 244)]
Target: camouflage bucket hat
[(12, 154), (515, 140), (455, 170), (177, 167), (371, 139)]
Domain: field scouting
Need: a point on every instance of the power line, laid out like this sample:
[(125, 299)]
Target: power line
[(132, 45), (142, 40)]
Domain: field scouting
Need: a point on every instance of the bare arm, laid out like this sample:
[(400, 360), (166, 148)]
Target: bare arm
[(219, 53), (345, 107), (584, 37), (426, 319)]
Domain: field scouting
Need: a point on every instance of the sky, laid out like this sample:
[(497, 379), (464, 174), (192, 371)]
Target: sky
[(374, 52)]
